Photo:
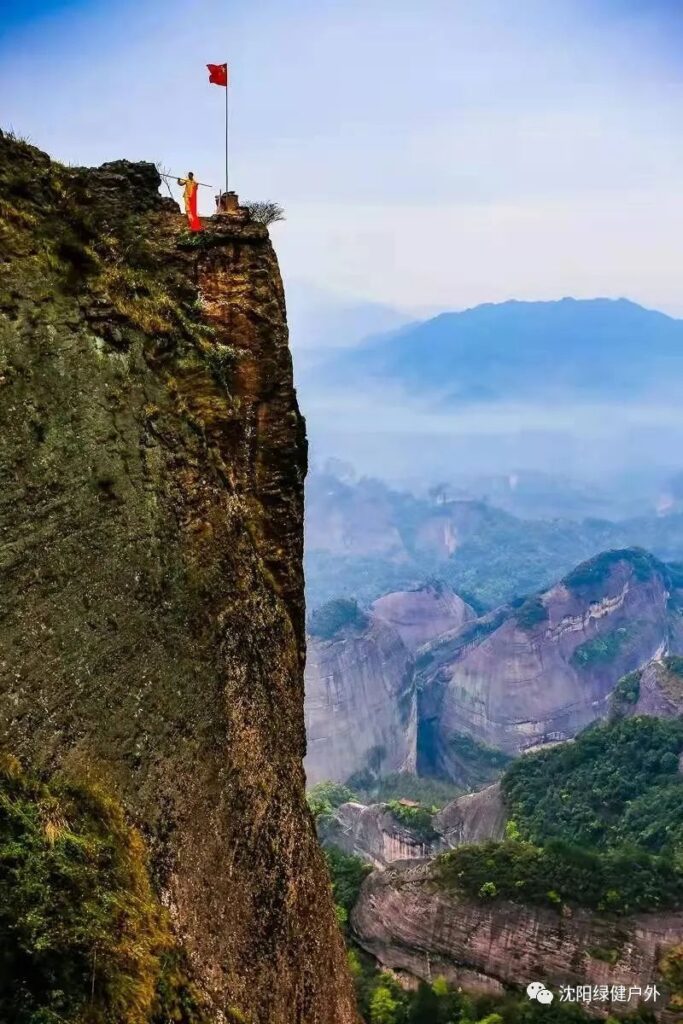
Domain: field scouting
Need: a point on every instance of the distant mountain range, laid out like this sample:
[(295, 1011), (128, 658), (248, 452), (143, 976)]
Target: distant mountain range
[(594, 350)]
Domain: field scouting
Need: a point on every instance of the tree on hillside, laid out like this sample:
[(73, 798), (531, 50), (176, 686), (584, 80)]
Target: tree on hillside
[(425, 1008), (383, 1007)]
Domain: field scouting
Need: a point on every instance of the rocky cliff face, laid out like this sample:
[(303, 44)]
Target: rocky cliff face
[(151, 613), (655, 690), (543, 671), (374, 833), (360, 703), (411, 924), (473, 818), (423, 614)]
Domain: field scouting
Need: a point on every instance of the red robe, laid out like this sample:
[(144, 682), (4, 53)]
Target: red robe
[(190, 196)]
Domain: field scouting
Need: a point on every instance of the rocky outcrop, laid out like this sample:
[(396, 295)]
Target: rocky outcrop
[(541, 672), (421, 615), (411, 924), (473, 818), (360, 703), (151, 530), (655, 690), (374, 833)]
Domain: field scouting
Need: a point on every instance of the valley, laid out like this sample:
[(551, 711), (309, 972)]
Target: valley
[(365, 538), (568, 868), (557, 717), (479, 690)]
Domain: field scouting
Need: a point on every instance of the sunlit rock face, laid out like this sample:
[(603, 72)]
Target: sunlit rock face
[(413, 925), (151, 534), (360, 703), (541, 672)]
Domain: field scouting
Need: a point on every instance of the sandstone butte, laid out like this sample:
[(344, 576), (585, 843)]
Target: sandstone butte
[(151, 522)]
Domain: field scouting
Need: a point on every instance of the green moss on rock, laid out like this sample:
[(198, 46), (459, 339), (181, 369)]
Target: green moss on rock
[(84, 937)]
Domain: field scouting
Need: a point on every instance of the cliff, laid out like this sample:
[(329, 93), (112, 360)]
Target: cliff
[(542, 671), (473, 818), (151, 526), (376, 835), (406, 919), (360, 703), (420, 615), (656, 689)]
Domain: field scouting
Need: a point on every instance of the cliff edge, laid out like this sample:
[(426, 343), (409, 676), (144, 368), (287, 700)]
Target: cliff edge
[(151, 525)]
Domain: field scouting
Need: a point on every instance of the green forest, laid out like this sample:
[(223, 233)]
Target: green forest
[(597, 822), (615, 786)]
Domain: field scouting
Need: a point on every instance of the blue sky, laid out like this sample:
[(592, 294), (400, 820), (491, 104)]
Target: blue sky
[(429, 155)]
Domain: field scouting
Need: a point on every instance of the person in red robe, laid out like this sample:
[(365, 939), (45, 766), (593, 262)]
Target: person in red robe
[(190, 197)]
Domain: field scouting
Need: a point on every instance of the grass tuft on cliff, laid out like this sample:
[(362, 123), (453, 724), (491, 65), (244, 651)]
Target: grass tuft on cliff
[(84, 938)]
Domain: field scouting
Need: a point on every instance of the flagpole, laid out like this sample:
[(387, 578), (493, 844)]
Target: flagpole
[(227, 89)]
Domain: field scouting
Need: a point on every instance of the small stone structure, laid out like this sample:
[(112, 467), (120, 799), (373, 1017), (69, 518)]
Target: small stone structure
[(228, 205)]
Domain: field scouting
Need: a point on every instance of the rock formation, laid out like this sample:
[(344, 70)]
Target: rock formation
[(360, 703), (543, 671), (411, 924), (473, 818), (656, 689), (375, 834), (151, 617), (421, 615)]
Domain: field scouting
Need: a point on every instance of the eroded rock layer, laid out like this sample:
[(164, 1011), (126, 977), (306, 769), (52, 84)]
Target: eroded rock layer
[(406, 919)]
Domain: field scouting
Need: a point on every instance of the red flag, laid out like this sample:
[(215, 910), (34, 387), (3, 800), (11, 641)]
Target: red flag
[(218, 74)]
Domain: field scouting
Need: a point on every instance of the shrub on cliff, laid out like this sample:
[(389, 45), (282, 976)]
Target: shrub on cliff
[(325, 797), (674, 664), (531, 613), (625, 693), (83, 937), (417, 819), (347, 874), (325, 622), (265, 211), (672, 971), (601, 650)]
